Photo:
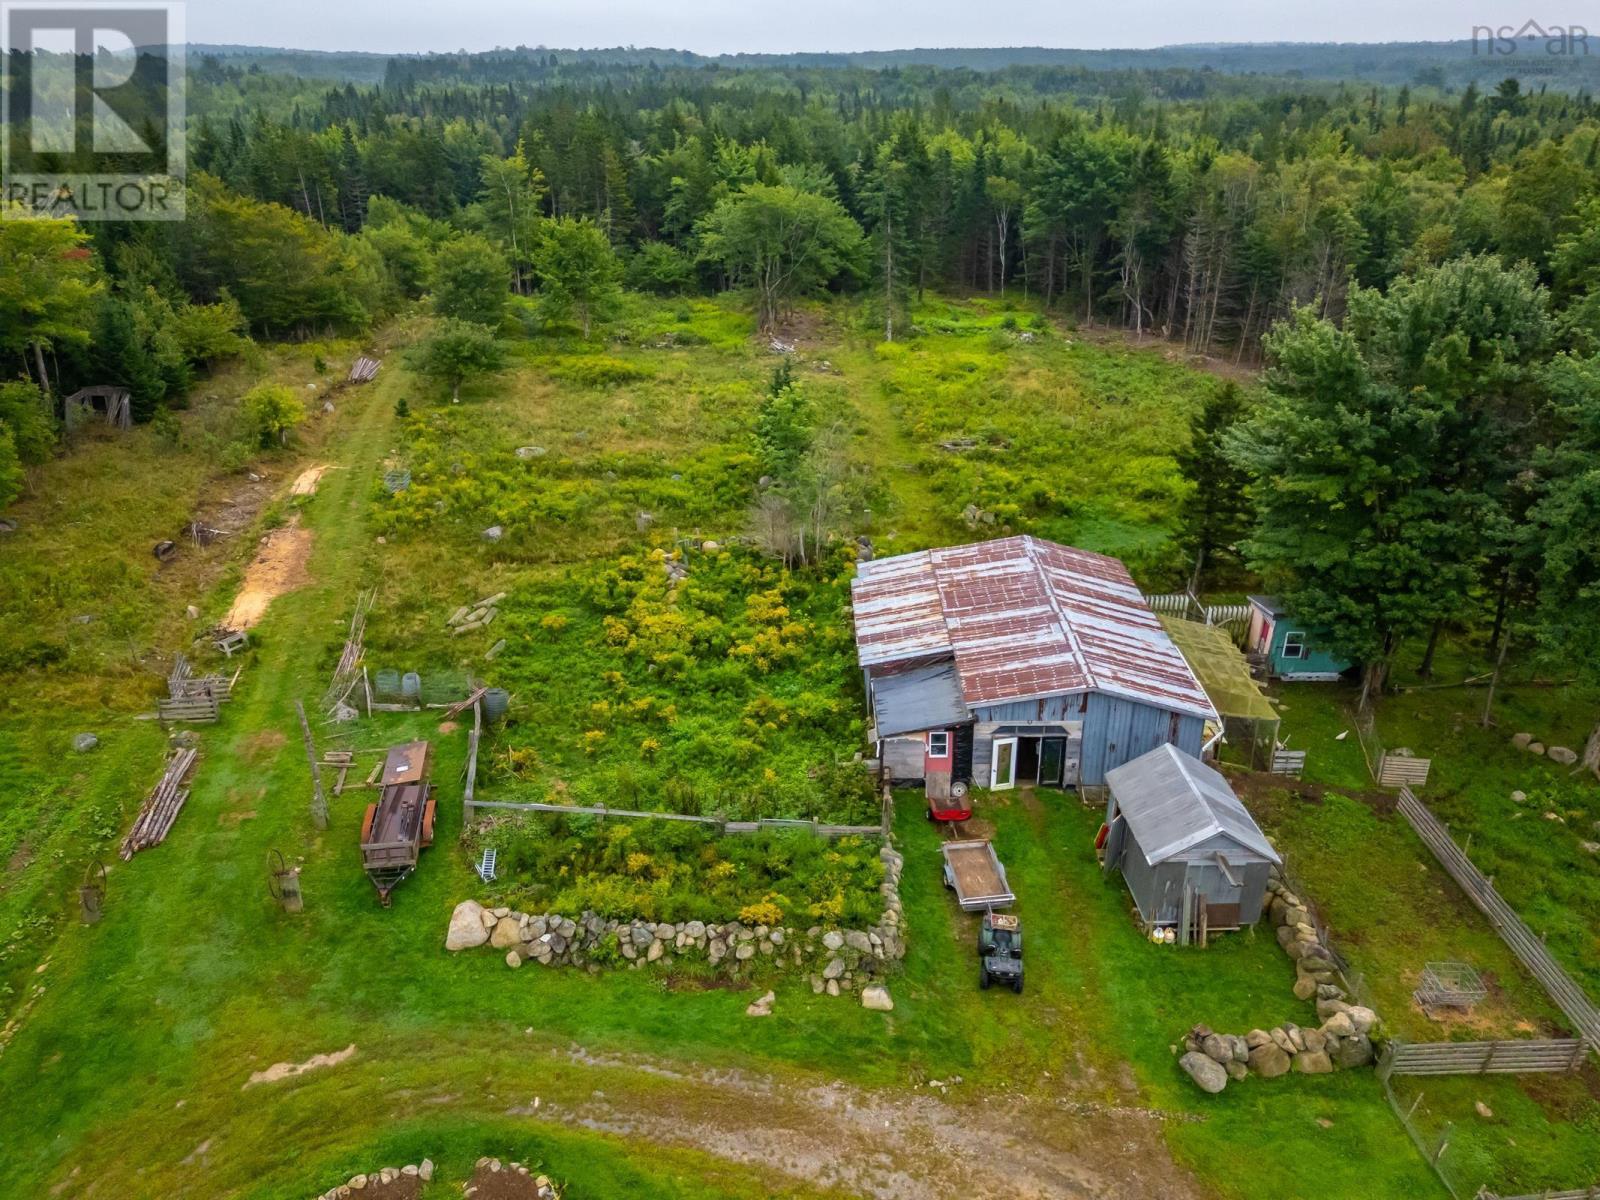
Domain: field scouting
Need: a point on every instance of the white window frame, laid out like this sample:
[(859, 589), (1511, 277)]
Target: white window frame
[(944, 736), (1298, 649)]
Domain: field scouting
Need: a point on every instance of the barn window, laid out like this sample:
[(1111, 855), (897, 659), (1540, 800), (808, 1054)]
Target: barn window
[(939, 744), (1294, 645)]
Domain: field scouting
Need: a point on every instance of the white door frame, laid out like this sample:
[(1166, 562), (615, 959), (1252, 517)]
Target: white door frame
[(994, 764)]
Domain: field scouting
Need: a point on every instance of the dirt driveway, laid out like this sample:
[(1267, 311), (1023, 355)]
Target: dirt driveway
[(890, 1145)]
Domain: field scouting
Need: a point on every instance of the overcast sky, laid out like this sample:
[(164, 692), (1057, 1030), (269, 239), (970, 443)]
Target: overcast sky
[(719, 26)]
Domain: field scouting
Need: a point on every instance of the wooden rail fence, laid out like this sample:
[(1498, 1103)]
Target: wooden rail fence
[(1566, 994), (1592, 1192), (1517, 1057)]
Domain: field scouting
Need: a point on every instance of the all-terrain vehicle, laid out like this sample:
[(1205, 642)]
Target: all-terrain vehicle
[(1000, 951)]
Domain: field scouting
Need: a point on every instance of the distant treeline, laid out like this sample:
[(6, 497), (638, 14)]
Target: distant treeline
[(1205, 208), (1556, 55)]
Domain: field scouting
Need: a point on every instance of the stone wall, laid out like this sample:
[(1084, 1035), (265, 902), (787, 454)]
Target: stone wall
[(375, 1182), (1342, 1040), (837, 960)]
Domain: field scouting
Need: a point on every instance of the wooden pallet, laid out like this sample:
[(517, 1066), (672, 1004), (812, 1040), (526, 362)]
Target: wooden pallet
[(195, 709)]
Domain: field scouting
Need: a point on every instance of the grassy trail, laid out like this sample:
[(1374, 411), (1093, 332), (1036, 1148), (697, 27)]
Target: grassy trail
[(889, 448)]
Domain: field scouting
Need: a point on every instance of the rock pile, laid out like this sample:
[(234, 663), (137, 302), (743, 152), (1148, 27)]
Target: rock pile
[(496, 1179), (849, 958), (1560, 755), (1314, 965), (1343, 1040), (377, 1181)]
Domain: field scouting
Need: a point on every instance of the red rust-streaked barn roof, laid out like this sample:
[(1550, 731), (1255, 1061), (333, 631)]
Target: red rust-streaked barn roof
[(1023, 618)]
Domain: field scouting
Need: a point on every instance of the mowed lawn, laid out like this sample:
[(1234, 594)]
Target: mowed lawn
[(140, 1034)]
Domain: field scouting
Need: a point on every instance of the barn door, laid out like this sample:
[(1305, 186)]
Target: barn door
[(1003, 764)]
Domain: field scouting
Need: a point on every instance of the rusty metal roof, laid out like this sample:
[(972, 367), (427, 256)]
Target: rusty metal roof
[(1022, 618), (405, 763)]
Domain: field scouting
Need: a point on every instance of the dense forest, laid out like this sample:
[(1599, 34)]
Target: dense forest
[(1417, 266)]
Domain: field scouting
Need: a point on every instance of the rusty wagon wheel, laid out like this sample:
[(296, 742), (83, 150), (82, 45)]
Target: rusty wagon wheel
[(92, 892), (277, 869)]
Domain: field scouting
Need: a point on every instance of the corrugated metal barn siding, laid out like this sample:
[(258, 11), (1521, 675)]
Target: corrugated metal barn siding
[(1026, 712), (1116, 731), (1158, 890)]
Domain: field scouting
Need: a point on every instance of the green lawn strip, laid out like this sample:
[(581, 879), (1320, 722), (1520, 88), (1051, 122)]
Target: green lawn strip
[(1540, 1131), (1391, 909), (1537, 862), (1099, 994), (98, 511)]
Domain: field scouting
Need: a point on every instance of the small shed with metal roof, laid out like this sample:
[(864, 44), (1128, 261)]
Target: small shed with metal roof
[(1185, 843)]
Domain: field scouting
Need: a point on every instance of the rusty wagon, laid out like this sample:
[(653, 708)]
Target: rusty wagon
[(400, 825)]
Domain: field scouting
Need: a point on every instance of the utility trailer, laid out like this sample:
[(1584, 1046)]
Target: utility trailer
[(400, 825), (972, 870)]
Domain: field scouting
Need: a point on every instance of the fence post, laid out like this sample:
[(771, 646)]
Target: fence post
[(319, 802), (1415, 1104), (1444, 1144)]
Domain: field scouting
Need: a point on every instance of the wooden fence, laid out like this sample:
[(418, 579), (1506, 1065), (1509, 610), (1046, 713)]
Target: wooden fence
[(1566, 994), (470, 787), (197, 709), (1592, 1192), (1188, 606), (815, 827), (1288, 762), (1518, 1057)]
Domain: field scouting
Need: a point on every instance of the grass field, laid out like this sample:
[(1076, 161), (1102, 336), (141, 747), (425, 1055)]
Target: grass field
[(126, 1072)]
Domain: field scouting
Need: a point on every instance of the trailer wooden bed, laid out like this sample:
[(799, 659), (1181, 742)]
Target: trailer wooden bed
[(399, 826), (973, 871)]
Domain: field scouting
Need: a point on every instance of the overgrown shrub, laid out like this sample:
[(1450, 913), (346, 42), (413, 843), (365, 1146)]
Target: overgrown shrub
[(677, 871)]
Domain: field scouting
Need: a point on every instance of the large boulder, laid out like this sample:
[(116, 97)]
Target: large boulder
[(1269, 1061), (1313, 1062), (1354, 1051), (507, 933), (466, 927), (1364, 1019), (1339, 1025), (876, 997), (1215, 1046), (1206, 1071)]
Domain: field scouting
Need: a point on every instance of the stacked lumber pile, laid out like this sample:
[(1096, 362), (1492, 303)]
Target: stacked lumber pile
[(475, 616), (349, 672), (161, 807), (365, 369)]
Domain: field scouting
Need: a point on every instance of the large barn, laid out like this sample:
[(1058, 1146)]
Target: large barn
[(1018, 661)]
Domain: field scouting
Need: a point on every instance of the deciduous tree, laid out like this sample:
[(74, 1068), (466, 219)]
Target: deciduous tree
[(781, 241)]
